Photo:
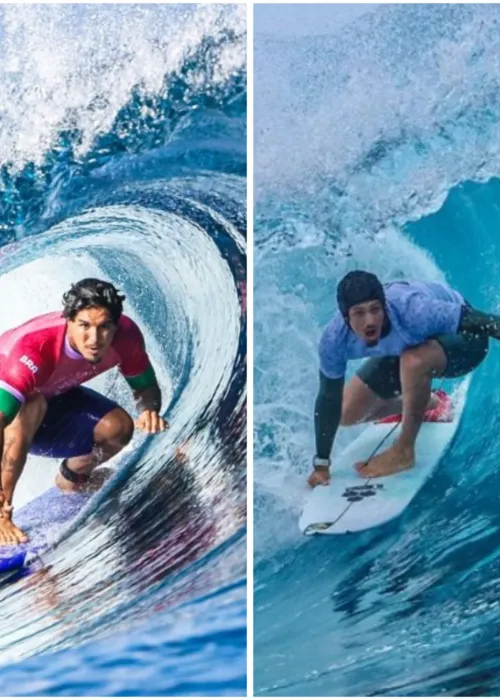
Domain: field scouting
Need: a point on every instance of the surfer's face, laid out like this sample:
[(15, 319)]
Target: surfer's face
[(91, 333), (366, 320)]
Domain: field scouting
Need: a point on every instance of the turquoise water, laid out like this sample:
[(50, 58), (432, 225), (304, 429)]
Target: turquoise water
[(123, 154), (375, 149)]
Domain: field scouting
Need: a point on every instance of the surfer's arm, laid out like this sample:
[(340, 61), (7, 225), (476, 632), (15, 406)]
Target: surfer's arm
[(14, 444), (147, 395), (9, 476), (140, 375), (137, 369), (3, 497), (148, 399), (17, 429), (149, 405), (9, 470), (479, 323), (12, 468), (327, 413)]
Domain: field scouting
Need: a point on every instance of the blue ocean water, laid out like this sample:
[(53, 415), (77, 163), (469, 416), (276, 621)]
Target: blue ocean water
[(123, 155), (378, 148)]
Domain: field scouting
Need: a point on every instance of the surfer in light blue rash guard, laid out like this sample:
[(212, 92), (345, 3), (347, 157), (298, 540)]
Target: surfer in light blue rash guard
[(411, 332)]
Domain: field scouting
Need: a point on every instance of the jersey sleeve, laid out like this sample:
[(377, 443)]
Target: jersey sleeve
[(21, 374), (332, 359), (134, 360), (426, 318)]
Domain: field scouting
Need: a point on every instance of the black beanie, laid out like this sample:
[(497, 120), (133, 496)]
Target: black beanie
[(357, 287)]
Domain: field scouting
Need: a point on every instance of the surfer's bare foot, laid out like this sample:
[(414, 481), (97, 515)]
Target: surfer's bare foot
[(320, 476), (396, 459)]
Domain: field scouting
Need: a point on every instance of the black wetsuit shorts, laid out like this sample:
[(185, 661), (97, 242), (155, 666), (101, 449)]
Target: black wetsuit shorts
[(464, 352)]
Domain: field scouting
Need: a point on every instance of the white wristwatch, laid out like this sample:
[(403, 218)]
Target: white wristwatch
[(321, 462)]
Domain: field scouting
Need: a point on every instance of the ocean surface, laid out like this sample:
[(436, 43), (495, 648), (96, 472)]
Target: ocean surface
[(123, 155), (378, 148)]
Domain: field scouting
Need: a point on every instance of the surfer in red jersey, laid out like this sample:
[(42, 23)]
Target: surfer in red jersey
[(45, 411)]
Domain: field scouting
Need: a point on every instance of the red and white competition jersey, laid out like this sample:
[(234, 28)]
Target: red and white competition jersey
[(36, 357)]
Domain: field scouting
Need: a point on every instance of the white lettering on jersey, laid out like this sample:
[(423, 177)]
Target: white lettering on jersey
[(29, 364)]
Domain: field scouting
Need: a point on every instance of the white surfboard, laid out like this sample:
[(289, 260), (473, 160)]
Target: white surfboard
[(351, 503)]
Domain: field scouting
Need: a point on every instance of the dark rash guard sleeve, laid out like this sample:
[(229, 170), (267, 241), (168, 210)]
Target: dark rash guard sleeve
[(327, 413), (478, 323)]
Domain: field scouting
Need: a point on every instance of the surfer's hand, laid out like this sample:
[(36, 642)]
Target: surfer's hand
[(9, 533), (151, 422), (320, 475)]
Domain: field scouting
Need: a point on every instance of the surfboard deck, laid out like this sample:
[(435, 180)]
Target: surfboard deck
[(351, 503), (42, 519)]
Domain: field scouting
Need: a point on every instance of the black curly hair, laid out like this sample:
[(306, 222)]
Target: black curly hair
[(92, 293)]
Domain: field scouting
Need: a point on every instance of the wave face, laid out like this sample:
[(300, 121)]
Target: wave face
[(377, 149), (123, 155)]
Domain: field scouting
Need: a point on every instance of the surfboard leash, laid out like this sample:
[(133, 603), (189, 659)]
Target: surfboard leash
[(396, 425), (374, 452), (367, 481)]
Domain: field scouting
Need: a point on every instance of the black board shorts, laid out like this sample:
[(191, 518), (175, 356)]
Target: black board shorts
[(464, 352)]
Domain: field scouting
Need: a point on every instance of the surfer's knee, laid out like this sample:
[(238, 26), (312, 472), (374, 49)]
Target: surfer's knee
[(416, 360), (423, 359), (116, 428), (349, 415)]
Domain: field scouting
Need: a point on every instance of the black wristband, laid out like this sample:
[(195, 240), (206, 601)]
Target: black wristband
[(71, 475)]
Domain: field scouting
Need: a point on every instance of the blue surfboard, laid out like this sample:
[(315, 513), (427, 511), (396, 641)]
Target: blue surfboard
[(43, 519)]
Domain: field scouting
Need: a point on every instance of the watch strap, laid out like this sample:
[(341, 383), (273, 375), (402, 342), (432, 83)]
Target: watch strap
[(321, 462)]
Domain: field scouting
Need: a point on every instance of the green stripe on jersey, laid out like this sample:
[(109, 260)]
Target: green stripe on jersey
[(9, 405), (142, 381)]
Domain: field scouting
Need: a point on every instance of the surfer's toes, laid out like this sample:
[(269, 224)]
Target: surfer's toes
[(366, 475), (390, 462), (365, 472)]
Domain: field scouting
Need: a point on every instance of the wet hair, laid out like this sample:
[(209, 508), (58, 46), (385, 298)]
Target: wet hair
[(92, 294)]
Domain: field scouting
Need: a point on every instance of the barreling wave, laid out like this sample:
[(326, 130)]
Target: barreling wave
[(123, 155), (380, 150)]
